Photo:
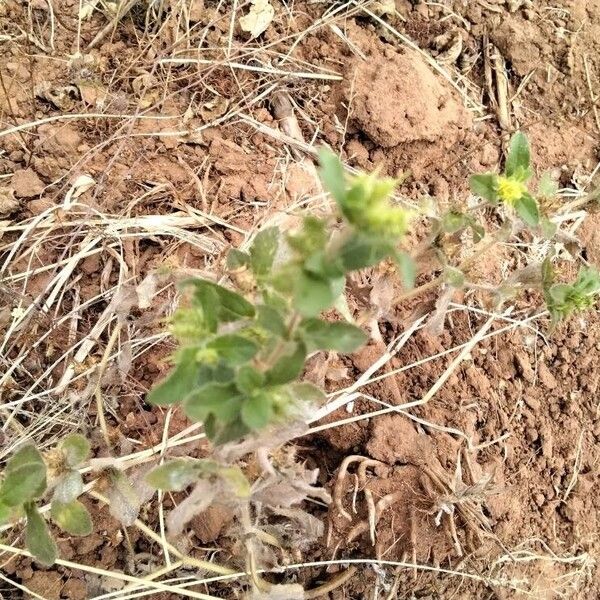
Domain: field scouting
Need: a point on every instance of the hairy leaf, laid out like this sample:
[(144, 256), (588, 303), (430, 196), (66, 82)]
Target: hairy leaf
[(174, 475), (182, 380), (313, 295), (307, 392), (24, 477), (485, 185), (270, 319), (37, 537), (72, 517), (76, 449), (263, 251), (527, 209), (257, 410), (332, 175), (233, 349), (232, 306), (221, 400), (69, 487), (249, 379), (519, 155), (323, 335), (236, 259), (289, 366), (361, 251)]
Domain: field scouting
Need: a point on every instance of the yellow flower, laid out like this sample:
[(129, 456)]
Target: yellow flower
[(510, 190)]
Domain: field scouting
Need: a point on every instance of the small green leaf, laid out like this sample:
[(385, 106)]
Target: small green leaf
[(174, 475), (257, 410), (454, 221), (485, 185), (477, 229), (207, 299), (233, 349), (308, 393), (236, 259), (249, 379), (289, 366), (69, 487), (361, 251), (221, 400), (332, 175), (547, 186), (72, 517), (232, 306), (24, 477), (179, 383), (37, 537), (408, 269), (270, 319), (313, 295), (527, 209), (519, 156), (263, 251), (219, 433), (323, 335), (76, 449)]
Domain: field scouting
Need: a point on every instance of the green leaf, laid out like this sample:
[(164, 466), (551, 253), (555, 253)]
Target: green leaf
[(249, 379), (207, 299), (362, 251), (76, 449), (233, 349), (527, 209), (519, 156), (332, 175), (182, 380), (289, 366), (308, 393), (263, 251), (313, 295), (221, 400), (24, 477), (174, 475), (454, 221), (270, 319), (69, 487), (547, 273), (6, 513), (219, 433), (408, 269), (485, 186), (232, 306), (313, 237), (37, 537), (338, 336), (72, 517), (236, 259), (257, 410), (477, 229), (547, 186)]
